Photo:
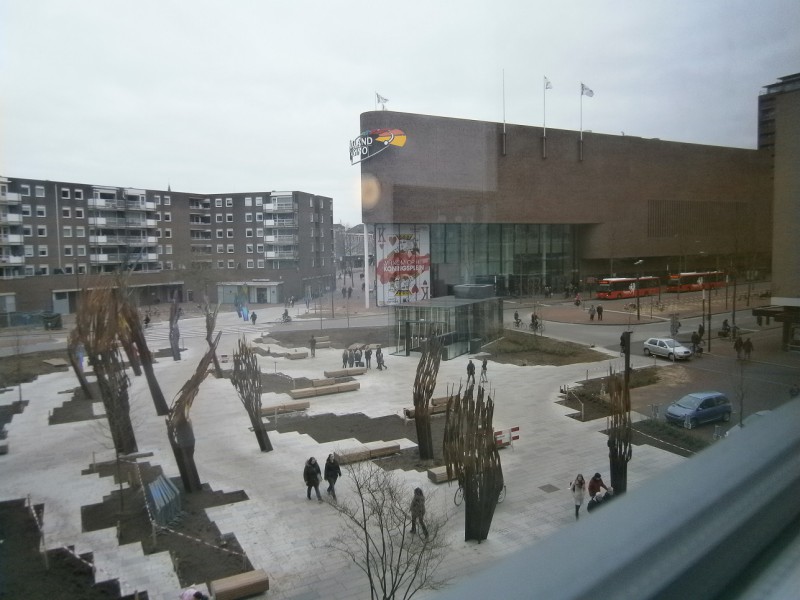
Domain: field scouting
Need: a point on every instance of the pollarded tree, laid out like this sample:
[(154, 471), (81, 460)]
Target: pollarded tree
[(620, 448), (376, 535), (246, 378), (211, 324), (179, 424), (470, 453), (424, 385)]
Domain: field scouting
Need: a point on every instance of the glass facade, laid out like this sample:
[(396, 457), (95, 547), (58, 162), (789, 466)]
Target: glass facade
[(518, 259)]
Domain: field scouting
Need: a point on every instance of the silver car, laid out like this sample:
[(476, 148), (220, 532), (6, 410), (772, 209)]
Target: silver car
[(666, 347)]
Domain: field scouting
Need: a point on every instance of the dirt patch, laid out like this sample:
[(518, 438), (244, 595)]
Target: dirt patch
[(523, 349), (340, 338)]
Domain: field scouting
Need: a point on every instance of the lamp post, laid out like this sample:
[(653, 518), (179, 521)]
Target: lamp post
[(638, 305)]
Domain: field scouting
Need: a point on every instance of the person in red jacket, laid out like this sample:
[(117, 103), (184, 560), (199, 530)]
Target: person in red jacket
[(595, 484)]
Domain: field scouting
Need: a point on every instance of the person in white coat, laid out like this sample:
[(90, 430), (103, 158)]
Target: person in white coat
[(578, 489)]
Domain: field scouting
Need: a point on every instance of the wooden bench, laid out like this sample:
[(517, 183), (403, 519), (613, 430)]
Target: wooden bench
[(439, 475), (324, 390), (268, 411), (346, 372), (239, 586)]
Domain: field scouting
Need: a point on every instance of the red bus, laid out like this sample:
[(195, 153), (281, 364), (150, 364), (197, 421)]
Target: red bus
[(612, 288), (690, 282)]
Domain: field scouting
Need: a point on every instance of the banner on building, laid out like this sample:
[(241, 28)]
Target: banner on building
[(402, 263)]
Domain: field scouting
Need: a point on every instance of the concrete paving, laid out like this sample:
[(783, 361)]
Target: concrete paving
[(280, 530)]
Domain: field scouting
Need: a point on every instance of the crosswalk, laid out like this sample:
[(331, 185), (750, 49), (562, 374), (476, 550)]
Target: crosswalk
[(195, 328)]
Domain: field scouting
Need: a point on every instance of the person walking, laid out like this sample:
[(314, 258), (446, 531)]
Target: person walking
[(471, 372), (738, 345), (418, 512), (368, 357), (484, 376), (313, 344), (695, 341), (332, 473), (592, 312), (599, 312), (311, 476), (351, 358), (344, 358), (253, 317), (748, 348), (578, 489), (379, 359)]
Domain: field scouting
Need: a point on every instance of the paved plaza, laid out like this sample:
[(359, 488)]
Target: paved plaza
[(281, 531)]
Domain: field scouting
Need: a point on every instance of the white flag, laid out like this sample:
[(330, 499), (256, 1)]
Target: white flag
[(586, 91), (547, 84), (380, 99)]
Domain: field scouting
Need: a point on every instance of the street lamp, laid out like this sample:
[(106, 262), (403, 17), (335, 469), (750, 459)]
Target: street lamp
[(638, 306)]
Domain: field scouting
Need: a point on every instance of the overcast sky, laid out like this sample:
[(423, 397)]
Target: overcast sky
[(235, 96)]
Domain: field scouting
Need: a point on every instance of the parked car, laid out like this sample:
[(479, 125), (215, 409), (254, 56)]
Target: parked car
[(666, 347), (699, 407)]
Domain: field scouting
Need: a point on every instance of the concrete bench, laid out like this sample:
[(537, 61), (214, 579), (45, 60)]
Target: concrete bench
[(296, 355), (352, 455), (346, 372), (324, 390), (326, 381), (381, 448), (439, 475), (435, 409), (268, 411), (239, 586), (323, 342), (367, 451)]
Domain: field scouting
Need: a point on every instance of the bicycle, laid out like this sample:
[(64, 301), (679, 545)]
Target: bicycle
[(537, 327), (458, 498)]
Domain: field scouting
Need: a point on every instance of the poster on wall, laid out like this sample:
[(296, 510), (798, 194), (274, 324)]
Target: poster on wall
[(403, 263)]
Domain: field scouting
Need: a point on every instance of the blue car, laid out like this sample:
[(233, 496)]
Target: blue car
[(699, 407)]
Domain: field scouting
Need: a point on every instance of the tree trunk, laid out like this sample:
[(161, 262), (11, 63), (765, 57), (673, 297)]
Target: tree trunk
[(182, 443), (162, 409)]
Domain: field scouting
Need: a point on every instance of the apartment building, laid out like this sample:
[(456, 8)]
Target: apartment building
[(57, 238)]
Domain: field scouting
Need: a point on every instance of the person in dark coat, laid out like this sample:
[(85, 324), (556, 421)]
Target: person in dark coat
[(471, 372), (253, 317), (351, 358), (313, 344), (379, 359), (311, 476), (358, 356), (748, 348), (599, 312), (332, 473), (418, 512), (737, 345), (368, 357), (344, 358)]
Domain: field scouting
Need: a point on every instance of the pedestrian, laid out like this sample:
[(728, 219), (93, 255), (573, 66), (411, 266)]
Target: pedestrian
[(484, 376), (313, 344), (368, 357), (344, 292), (738, 345), (695, 341), (578, 488), (291, 302), (253, 317), (577, 299), (332, 473), (311, 476), (595, 484), (592, 312), (471, 372), (418, 512), (344, 358), (748, 348), (701, 331), (191, 593), (351, 358), (146, 321), (358, 357), (599, 312), (349, 292), (379, 359)]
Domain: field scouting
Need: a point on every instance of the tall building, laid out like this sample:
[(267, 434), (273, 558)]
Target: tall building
[(57, 237), (767, 108)]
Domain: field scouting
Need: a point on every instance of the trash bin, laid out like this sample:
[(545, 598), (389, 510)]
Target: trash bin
[(52, 320)]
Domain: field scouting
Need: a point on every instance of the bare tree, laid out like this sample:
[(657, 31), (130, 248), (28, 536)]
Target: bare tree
[(246, 378), (179, 425), (211, 324), (470, 453), (424, 385), (620, 448), (375, 535)]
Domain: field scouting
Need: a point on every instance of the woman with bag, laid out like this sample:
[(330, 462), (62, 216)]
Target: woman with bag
[(311, 476), (332, 473), (578, 488)]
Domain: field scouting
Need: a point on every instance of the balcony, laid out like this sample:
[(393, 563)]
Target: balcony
[(290, 240), (98, 221), (11, 260), (281, 254), (285, 223), (11, 239), (279, 207), (8, 198), (10, 219)]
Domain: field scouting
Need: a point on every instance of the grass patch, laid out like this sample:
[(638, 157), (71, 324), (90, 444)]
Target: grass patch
[(516, 347), (592, 390), (674, 439)]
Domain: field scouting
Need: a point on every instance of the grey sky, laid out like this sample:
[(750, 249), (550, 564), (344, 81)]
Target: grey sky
[(258, 95)]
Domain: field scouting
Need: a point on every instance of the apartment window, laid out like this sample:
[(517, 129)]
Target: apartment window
[(249, 248), (248, 217), (323, 262), (81, 252), (248, 233), (79, 213), (312, 217), (42, 250), (229, 218), (260, 263), (169, 265), (218, 202), (229, 202), (322, 218), (25, 190), (311, 203), (26, 210), (158, 233), (259, 233), (28, 251), (231, 264), (29, 271), (220, 248), (260, 248), (66, 212), (248, 201), (41, 211), (168, 216), (250, 263), (167, 201), (230, 249), (259, 201), (68, 270), (27, 231), (80, 231), (67, 231), (313, 262), (65, 194), (67, 250), (159, 249), (220, 264), (219, 218), (168, 233), (259, 216), (41, 230), (78, 194), (158, 200), (158, 216), (169, 248), (229, 233), (220, 234), (44, 270), (40, 191), (322, 247)]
